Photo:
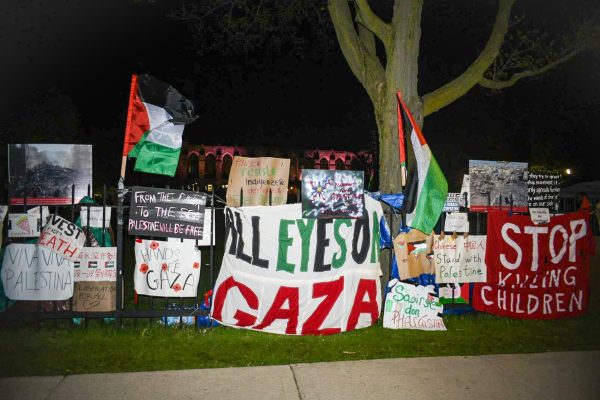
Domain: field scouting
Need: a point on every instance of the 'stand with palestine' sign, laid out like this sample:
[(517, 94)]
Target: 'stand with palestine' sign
[(288, 275), (536, 272), (167, 213)]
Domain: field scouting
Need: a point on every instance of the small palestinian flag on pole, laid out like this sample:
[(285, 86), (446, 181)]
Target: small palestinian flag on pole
[(427, 188), (156, 117)]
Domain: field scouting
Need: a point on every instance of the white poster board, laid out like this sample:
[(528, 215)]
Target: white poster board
[(62, 237), (412, 307), (95, 216), (166, 269), (456, 222), (97, 264), (460, 260), (31, 272)]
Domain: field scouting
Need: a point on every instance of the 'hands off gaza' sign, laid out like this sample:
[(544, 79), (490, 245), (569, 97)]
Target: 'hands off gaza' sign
[(167, 213)]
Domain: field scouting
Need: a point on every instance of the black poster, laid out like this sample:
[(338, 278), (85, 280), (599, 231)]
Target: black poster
[(166, 213), (543, 189), (332, 194)]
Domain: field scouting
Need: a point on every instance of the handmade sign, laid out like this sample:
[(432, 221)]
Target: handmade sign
[(96, 264), (285, 274), (538, 272), (167, 213), (95, 217), (453, 293), (413, 254), (94, 296), (456, 222), (207, 228), (452, 203), (62, 237), (255, 177), (460, 259), (166, 269), (495, 183), (412, 307), (332, 194), (28, 224), (543, 190), (539, 215), (46, 173), (32, 272)]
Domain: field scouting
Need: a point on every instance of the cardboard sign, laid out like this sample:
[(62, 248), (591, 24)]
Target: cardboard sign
[(166, 269), (62, 237), (413, 254), (31, 272), (539, 215), (456, 222), (460, 260), (452, 203), (332, 194), (95, 217), (94, 296), (536, 272), (167, 213), (46, 173), (29, 224), (288, 275), (96, 264), (543, 190), (255, 177), (495, 182), (412, 307)]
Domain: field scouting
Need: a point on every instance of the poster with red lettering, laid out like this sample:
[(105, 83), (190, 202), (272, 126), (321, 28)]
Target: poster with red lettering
[(536, 271), (62, 237), (285, 274)]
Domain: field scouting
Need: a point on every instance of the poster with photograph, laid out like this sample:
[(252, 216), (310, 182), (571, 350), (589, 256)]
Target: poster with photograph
[(332, 194), (492, 183), (45, 173)]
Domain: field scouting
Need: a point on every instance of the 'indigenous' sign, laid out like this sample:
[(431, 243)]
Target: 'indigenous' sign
[(62, 237), (459, 260), (166, 269), (255, 176), (166, 213), (31, 272), (539, 272), (96, 264), (332, 194), (412, 307), (543, 190), (285, 274)]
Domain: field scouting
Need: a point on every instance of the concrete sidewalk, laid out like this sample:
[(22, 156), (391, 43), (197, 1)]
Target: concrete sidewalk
[(568, 375)]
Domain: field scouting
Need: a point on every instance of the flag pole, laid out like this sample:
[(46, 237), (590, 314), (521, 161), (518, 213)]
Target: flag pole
[(401, 141), (128, 124)]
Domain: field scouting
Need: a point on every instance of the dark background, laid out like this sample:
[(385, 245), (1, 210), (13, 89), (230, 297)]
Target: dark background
[(66, 65)]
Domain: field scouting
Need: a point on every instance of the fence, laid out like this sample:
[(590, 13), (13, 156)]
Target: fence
[(130, 306)]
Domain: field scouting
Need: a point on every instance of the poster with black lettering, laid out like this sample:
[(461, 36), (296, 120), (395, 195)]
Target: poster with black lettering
[(62, 237), (96, 264), (94, 296), (536, 271), (332, 194), (543, 189), (166, 269), (413, 307), (32, 272), (285, 274), (460, 259), (166, 213)]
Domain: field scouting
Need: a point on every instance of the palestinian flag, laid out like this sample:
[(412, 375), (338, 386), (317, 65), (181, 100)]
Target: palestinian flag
[(427, 187), (156, 117)]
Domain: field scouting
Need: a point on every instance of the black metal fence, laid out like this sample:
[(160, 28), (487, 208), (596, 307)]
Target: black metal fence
[(178, 311)]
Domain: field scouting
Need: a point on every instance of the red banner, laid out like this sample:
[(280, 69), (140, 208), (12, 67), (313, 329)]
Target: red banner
[(536, 271)]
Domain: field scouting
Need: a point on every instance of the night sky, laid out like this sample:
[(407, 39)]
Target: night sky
[(81, 54)]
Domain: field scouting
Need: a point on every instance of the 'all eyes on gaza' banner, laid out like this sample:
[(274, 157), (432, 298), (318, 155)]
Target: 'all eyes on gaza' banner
[(288, 275), (536, 271)]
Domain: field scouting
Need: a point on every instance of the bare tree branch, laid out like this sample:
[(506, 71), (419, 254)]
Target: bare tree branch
[(364, 65), (459, 86), (372, 22)]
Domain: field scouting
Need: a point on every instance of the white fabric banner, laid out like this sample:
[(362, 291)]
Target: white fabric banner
[(31, 272), (460, 260), (413, 307), (288, 275), (166, 269), (96, 264)]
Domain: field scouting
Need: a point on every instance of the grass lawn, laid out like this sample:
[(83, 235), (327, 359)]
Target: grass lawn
[(55, 350)]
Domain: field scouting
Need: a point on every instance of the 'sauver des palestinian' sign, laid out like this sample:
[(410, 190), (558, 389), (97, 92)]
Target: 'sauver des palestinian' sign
[(167, 213)]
